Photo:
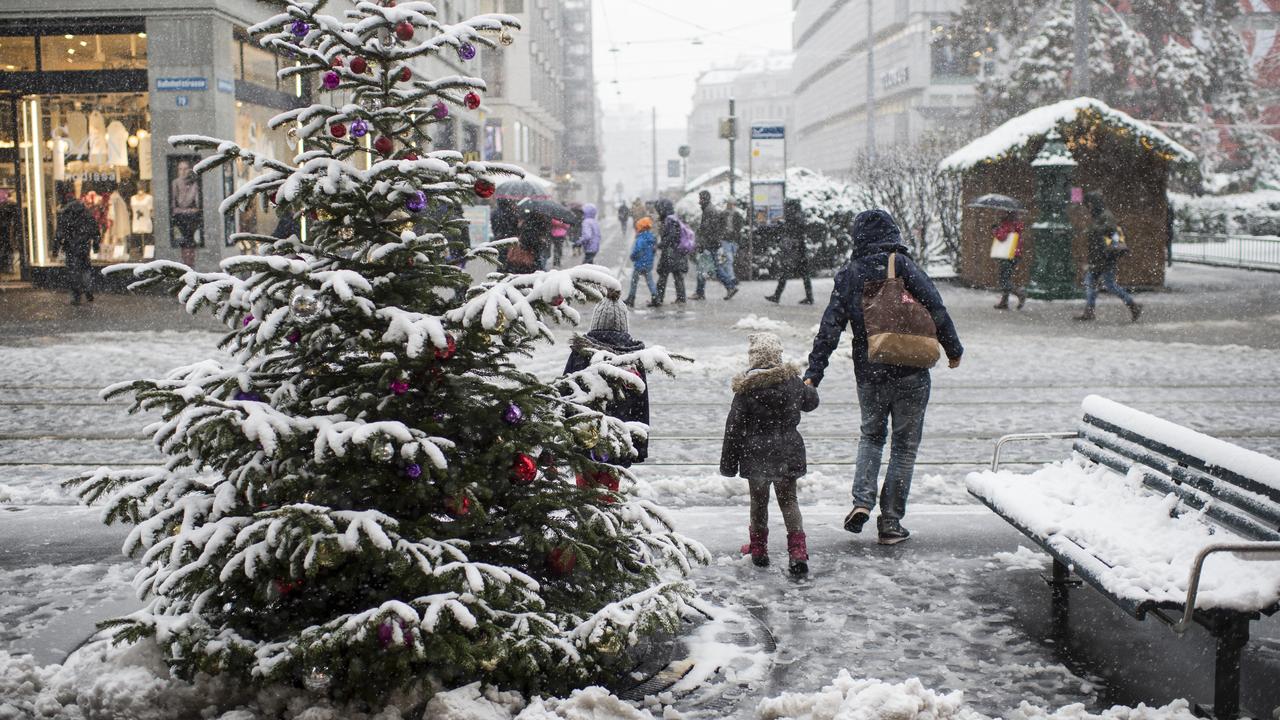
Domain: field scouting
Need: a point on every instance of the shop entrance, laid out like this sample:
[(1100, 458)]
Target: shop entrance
[(12, 251)]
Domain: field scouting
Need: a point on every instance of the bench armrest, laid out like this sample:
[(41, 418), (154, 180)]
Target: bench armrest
[(1017, 437), (1197, 566)]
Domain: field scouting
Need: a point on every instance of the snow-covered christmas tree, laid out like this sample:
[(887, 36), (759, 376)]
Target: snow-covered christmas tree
[(371, 495), (1179, 62)]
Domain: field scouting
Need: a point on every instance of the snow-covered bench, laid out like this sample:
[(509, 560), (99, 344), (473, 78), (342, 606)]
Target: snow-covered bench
[(1160, 519)]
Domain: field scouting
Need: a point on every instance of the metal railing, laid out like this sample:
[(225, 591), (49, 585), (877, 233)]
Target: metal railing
[(1255, 252)]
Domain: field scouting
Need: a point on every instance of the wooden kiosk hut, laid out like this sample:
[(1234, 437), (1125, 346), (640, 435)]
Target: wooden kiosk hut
[(1126, 160)]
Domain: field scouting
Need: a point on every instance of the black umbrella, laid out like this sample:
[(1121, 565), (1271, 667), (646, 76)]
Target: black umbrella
[(519, 190), (997, 202), (549, 209)]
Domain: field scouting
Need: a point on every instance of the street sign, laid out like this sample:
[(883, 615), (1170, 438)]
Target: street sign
[(182, 100), (180, 84), (768, 151), (728, 128), (673, 168)]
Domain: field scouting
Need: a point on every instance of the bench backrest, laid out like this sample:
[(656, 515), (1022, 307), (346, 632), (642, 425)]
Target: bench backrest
[(1236, 488)]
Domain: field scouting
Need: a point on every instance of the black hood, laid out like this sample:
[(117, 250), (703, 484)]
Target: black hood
[(613, 341), (875, 232)]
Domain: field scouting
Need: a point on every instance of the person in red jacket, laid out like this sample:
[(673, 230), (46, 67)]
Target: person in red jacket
[(1008, 226)]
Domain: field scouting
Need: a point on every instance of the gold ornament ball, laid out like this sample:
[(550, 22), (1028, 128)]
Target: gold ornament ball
[(589, 435), (611, 644), (346, 233), (506, 38), (324, 215)]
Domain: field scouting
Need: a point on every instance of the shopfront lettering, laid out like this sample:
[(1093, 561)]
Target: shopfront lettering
[(179, 84), (895, 78)]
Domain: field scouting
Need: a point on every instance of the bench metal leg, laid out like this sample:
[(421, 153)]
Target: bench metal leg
[(1232, 636), (1058, 586)]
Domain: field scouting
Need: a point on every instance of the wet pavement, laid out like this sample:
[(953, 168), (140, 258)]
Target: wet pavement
[(951, 606)]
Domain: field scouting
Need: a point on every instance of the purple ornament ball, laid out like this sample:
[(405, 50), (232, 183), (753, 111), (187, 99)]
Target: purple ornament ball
[(384, 634), (417, 202), (359, 128), (247, 319), (248, 396), (466, 51), (413, 470), (331, 80), (299, 28), (440, 110), (513, 415)]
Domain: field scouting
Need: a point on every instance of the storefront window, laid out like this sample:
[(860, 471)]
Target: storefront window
[(259, 66), (17, 54), (254, 133), (96, 148), (93, 52)]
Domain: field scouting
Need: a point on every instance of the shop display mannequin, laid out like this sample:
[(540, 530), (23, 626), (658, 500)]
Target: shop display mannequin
[(141, 209), (184, 207)]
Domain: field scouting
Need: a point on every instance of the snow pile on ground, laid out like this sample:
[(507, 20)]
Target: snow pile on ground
[(761, 322), (131, 682), (847, 698), (1115, 528), (1021, 559)]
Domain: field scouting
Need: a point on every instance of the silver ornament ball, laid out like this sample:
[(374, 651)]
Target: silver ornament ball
[(304, 307), (382, 452)]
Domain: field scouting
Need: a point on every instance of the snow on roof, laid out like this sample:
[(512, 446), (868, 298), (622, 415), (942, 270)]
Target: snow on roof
[(714, 174), (1013, 136)]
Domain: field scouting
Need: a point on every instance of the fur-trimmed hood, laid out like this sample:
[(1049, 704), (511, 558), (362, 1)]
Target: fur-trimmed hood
[(764, 377)]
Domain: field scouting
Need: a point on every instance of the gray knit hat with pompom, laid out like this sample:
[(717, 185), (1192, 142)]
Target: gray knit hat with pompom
[(610, 314)]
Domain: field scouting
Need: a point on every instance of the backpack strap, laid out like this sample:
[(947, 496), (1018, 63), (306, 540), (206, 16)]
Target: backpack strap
[(893, 263)]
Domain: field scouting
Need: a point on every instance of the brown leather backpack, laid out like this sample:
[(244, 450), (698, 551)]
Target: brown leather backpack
[(900, 330)]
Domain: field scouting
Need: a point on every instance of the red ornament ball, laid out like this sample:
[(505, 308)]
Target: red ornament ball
[(404, 30), (384, 145), (406, 75), (557, 301), (448, 351), (471, 100), (411, 155), (338, 130), (458, 505), (562, 560), (484, 188), (359, 65), (524, 469), (336, 61)]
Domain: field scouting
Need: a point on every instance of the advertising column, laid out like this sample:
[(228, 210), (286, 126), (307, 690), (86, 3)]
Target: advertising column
[(767, 173)]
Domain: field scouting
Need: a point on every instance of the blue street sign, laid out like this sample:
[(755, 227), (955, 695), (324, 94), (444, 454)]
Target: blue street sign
[(183, 100), (768, 132), (178, 84)]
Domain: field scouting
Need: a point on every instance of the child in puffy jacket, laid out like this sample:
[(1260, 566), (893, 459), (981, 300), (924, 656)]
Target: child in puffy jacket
[(642, 255), (763, 445)]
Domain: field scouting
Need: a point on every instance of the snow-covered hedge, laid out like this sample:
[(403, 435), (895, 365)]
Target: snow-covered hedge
[(1252, 213)]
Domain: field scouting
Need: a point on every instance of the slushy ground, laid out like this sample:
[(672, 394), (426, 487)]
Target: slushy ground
[(960, 606)]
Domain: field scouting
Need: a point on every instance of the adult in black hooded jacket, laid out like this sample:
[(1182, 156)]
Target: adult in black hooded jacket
[(884, 391), (76, 238), (670, 260)]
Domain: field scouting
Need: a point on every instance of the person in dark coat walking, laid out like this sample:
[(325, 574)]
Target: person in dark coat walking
[(624, 214), (671, 261), (794, 254), (76, 236), (884, 391), (712, 229), (610, 332), (1102, 261), (763, 445)]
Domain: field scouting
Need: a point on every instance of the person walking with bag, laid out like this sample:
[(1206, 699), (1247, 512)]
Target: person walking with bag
[(76, 237), (674, 260), (763, 445), (794, 255), (642, 257), (710, 246), (1104, 242), (897, 318), (1006, 248)]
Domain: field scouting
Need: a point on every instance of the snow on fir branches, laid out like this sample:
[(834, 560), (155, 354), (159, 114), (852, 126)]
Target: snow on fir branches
[(370, 496)]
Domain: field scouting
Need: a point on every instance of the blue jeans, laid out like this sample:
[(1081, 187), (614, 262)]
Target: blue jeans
[(904, 400), (1108, 278), (636, 274), (709, 265)]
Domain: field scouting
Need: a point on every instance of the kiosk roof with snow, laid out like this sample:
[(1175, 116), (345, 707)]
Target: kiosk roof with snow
[(1074, 119), (1117, 155)]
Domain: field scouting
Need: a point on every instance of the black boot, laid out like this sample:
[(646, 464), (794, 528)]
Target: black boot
[(1004, 302)]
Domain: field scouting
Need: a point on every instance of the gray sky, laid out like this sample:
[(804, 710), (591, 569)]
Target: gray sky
[(657, 60)]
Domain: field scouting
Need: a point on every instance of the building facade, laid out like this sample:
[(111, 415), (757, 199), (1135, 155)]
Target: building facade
[(921, 82), (762, 91), (89, 95)]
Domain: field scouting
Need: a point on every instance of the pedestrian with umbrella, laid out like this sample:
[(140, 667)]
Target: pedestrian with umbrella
[(1006, 244)]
